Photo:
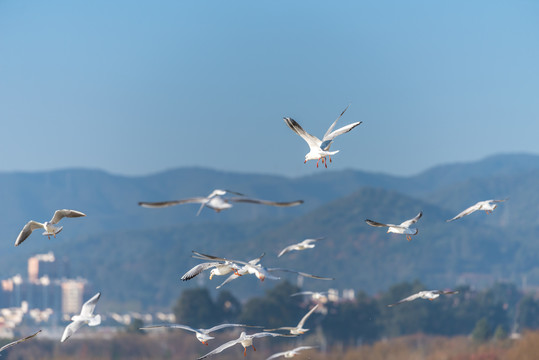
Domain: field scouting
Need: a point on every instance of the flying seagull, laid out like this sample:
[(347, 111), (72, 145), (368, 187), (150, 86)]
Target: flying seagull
[(298, 329), (488, 206), (290, 353), (403, 228), (216, 202), (319, 149), (427, 294), (86, 317), (49, 226), (245, 341), (203, 335), (219, 268), (305, 244), (253, 267), (18, 341), (315, 295)]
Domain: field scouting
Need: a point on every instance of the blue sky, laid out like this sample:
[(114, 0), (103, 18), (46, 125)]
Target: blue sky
[(136, 87)]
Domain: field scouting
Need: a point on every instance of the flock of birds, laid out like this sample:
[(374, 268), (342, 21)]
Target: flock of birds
[(319, 150)]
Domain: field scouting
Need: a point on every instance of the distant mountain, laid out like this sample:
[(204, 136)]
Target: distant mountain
[(137, 255)]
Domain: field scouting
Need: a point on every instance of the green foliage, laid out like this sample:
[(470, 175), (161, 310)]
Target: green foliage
[(482, 331), (500, 333), (528, 313), (196, 308), (134, 327), (276, 309)]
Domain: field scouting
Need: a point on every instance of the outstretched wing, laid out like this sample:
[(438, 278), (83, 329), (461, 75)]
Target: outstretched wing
[(89, 306), (71, 329), (27, 230), (330, 129), (60, 214), (409, 298), (195, 200), (311, 140), (220, 348), (18, 341), (266, 202), (468, 211), (171, 326), (303, 319), (276, 355), (407, 223), (377, 224), (300, 273), (222, 326), (227, 280), (287, 249), (198, 269)]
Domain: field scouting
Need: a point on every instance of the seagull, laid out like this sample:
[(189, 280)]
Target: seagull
[(18, 341), (245, 341), (298, 329), (317, 296), (253, 267), (305, 244), (203, 335), (290, 353), (488, 206), (216, 202), (427, 294), (49, 226), (403, 228), (220, 268), (319, 149), (86, 317)]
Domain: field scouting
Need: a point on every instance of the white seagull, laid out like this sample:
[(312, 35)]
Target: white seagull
[(216, 202), (403, 228), (49, 226), (261, 272), (427, 294), (305, 244), (86, 317), (221, 267), (319, 149), (488, 206), (18, 341), (298, 329), (203, 335), (290, 353), (315, 295), (245, 341)]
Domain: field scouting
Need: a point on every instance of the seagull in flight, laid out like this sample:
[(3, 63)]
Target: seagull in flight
[(49, 226), (86, 317), (220, 267), (18, 341), (427, 294), (319, 149), (315, 295), (298, 329), (245, 341), (215, 201), (203, 335), (403, 228), (488, 206), (305, 244), (253, 267), (290, 353)]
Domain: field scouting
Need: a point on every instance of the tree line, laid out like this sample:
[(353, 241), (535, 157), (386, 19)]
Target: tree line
[(495, 311)]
